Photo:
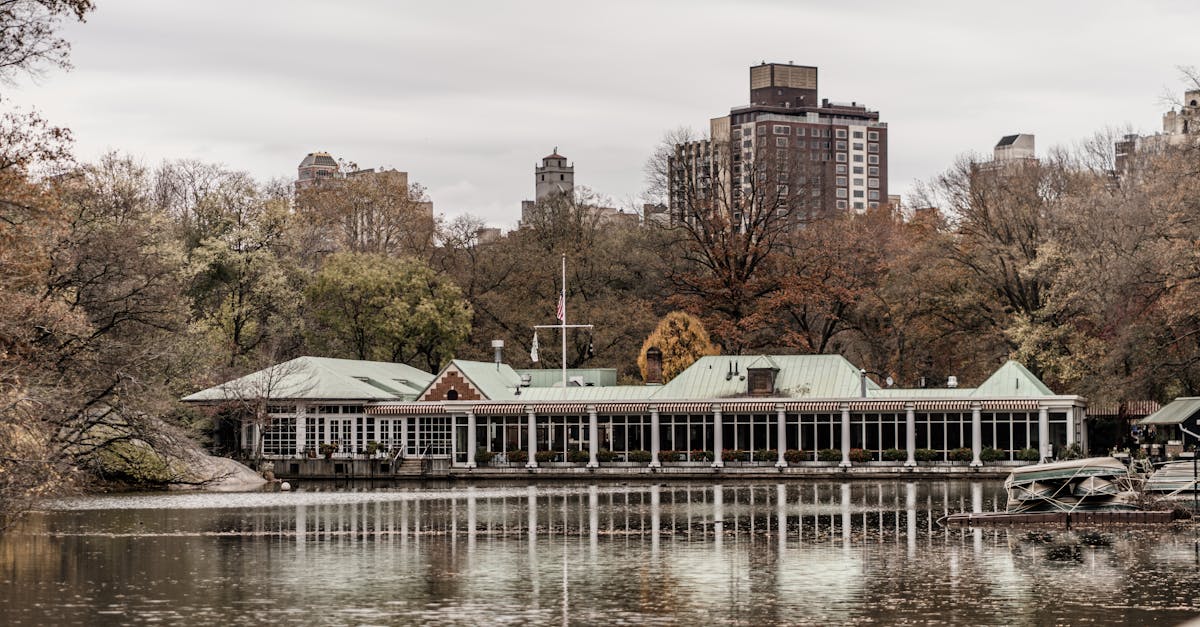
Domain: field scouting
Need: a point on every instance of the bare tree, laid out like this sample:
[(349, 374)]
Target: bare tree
[(730, 214)]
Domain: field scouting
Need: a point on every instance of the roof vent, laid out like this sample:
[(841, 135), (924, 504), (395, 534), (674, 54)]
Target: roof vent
[(526, 380), (952, 381)]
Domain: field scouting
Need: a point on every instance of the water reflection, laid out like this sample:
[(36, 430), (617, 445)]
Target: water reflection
[(740, 553)]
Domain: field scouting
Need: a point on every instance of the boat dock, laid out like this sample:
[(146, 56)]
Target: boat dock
[(1060, 519)]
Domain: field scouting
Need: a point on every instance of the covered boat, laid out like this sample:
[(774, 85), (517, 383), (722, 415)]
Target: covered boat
[(1093, 484)]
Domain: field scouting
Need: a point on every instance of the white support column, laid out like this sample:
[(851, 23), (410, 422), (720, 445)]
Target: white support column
[(1044, 433), (300, 431), (910, 433), (780, 435), (1071, 414), (593, 437), (655, 443), (402, 437), (718, 438), (845, 436), (471, 444), (531, 447), (976, 434)]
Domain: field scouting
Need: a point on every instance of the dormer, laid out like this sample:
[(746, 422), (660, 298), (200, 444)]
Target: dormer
[(760, 376)]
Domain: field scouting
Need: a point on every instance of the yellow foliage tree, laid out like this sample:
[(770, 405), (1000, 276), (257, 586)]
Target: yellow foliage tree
[(682, 339)]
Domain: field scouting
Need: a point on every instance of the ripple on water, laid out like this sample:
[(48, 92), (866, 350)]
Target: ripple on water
[(857, 553)]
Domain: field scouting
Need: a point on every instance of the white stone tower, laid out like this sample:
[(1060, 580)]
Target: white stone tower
[(554, 176)]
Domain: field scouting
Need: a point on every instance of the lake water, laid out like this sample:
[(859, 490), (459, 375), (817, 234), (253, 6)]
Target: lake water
[(750, 553)]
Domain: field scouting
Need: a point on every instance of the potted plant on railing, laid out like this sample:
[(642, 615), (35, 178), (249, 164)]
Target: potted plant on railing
[(991, 455), (829, 455), (766, 455), (926, 455), (328, 449), (1029, 455), (640, 457), (518, 457), (960, 455), (483, 457), (579, 457), (895, 455), (860, 456), (545, 457), (794, 456), (373, 449), (605, 456)]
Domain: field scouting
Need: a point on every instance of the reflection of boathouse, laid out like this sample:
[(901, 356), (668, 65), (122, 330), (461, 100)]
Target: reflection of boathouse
[(768, 404)]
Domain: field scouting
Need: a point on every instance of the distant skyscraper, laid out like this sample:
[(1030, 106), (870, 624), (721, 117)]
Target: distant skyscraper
[(1014, 148), (1179, 128), (807, 157), (316, 166)]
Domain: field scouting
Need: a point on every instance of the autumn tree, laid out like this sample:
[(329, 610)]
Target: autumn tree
[(374, 212), (729, 215), (682, 339), (386, 309), (29, 37), (245, 292)]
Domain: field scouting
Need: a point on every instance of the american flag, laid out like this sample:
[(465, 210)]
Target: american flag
[(561, 312)]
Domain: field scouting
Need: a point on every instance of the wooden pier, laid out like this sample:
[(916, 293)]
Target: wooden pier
[(1059, 519)]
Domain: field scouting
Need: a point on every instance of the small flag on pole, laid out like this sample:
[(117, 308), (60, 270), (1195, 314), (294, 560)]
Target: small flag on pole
[(533, 356), (561, 312)]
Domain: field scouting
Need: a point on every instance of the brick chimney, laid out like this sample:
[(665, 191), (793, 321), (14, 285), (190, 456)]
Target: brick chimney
[(654, 374)]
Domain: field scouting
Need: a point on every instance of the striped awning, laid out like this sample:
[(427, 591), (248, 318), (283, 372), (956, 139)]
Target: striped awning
[(876, 406), (956, 405), (749, 407), (814, 406), (1018, 404), (559, 408), (623, 408), (406, 409), (1130, 409), (499, 409), (686, 408)]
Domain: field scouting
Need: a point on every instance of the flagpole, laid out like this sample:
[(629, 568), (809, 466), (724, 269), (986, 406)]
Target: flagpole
[(563, 300)]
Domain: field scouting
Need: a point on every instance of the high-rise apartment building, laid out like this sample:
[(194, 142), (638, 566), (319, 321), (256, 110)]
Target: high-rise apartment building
[(786, 149)]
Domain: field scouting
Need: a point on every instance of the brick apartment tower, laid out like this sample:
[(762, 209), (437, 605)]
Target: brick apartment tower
[(835, 153)]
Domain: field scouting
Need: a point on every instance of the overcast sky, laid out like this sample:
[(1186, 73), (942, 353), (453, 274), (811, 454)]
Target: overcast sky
[(468, 96)]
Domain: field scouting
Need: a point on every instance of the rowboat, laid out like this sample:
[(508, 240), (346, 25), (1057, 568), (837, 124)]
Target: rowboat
[(1092, 484)]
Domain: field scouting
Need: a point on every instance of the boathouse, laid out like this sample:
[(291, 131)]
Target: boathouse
[(722, 408)]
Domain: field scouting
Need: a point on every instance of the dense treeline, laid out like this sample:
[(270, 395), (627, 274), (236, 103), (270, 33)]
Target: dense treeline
[(123, 287)]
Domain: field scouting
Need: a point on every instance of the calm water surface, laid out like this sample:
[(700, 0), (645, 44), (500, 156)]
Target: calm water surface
[(795, 553)]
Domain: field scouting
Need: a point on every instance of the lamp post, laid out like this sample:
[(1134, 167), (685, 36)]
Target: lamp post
[(1195, 469)]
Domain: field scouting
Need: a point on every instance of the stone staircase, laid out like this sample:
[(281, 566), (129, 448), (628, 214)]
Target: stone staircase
[(409, 467)]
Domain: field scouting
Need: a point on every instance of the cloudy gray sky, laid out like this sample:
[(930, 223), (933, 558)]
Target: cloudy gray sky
[(467, 96)]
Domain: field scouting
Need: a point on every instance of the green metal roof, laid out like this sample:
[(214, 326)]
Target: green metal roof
[(545, 378), (800, 376), (1012, 379), (316, 378), (918, 393), (495, 382), (577, 393), (1175, 412)]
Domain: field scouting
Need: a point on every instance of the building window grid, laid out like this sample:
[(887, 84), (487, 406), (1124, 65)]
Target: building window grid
[(1010, 432)]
